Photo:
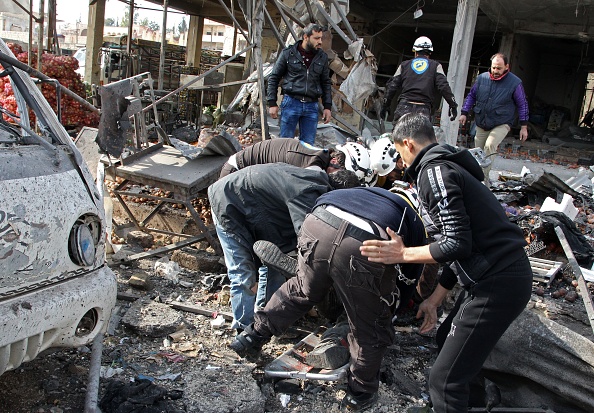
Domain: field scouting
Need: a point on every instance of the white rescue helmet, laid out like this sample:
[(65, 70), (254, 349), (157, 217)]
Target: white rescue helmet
[(357, 160), (423, 43), (383, 156)]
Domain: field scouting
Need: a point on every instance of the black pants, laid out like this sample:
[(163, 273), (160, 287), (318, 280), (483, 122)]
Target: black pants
[(480, 317), (404, 107), (330, 255)]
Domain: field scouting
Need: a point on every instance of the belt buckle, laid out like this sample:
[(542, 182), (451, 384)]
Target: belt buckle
[(302, 100)]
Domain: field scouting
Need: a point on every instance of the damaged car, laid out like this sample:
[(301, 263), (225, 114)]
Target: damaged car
[(55, 287)]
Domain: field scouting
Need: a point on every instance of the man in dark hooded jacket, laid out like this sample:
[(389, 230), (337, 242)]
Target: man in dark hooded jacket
[(481, 248), (264, 202)]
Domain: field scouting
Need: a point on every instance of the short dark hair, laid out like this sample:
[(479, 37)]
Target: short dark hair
[(501, 56), (313, 27), (343, 179), (338, 156), (414, 126)]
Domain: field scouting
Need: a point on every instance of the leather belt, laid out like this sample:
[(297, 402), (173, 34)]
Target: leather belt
[(304, 99), (335, 222)]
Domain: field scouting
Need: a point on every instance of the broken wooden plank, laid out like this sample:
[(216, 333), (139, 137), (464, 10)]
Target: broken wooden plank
[(226, 315), (585, 293), (201, 310), (165, 249), (127, 296)]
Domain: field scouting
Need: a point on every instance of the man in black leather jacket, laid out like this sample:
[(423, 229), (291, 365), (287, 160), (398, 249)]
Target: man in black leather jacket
[(303, 68)]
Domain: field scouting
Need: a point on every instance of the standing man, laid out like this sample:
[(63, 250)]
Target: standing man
[(303, 68), (418, 79), (291, 151), (494, 97), (263, 202), (329, 254), (481, 248)]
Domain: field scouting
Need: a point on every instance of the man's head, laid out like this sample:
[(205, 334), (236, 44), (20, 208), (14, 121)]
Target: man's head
[(499, 65), (411, 134), (422, 46), (312, 37), (343, 179), (337, 160)]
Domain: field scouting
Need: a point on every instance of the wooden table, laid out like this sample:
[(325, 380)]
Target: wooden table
[(166, 168)]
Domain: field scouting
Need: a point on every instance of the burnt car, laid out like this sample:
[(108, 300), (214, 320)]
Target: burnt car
[(55, 287)]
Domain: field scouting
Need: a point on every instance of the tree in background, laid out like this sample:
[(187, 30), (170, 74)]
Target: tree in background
[(126, 19), (182, 26), (111, 22)]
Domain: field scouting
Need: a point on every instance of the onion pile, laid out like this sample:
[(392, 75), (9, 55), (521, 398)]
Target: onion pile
[(63, 69)]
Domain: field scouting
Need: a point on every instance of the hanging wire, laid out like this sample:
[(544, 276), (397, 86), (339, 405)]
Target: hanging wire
[(396, 19)]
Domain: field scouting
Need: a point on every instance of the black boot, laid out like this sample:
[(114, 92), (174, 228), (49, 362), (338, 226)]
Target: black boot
[(272, 256), (357, 402), (249, 342)]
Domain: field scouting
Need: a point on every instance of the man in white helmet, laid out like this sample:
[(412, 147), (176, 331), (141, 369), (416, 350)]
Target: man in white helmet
[(417, 79), (357, 160)]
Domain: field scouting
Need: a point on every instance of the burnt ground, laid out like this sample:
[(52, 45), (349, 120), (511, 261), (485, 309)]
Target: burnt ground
[(199, 373), (200, 368)]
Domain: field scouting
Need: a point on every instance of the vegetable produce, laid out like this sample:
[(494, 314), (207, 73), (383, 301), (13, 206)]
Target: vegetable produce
[(63, 69)]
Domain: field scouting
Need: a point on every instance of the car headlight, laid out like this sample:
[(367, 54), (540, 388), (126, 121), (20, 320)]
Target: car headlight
[(83, 240)]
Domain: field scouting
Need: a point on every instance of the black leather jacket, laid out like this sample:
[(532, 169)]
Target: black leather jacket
[(298, 80)]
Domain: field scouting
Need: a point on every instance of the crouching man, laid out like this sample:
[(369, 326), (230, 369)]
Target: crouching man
[(264, 202), (328, 247)]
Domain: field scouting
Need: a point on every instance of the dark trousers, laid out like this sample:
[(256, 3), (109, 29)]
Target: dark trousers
[(226, 170), (329, 255), (480, 317), (404, 107)]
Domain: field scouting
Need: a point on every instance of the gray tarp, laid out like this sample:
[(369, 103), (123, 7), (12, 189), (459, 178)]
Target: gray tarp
[(544, 355)]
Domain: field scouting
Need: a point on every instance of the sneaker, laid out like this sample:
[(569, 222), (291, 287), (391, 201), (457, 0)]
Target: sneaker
[(357, 402), (248, 343), (332, 351), (272, 256)]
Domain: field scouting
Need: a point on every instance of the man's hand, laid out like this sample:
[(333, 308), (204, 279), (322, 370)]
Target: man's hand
[(462, 120), (523, 133), (327, 115), (273, 112), (453, 112), (428, 309), (385, 252)]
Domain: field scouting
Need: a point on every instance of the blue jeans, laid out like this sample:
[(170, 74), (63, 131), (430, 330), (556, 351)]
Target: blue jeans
[(294, 112), (244, 276), (269, 280)]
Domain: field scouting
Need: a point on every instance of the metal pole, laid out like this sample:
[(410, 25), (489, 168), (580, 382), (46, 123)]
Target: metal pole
[(235, 22), (585, 293), (344, 20), (92, 395), (163, 43), (257, 33), (197, 78), (130, 28), (40, 34), (29, 51)]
